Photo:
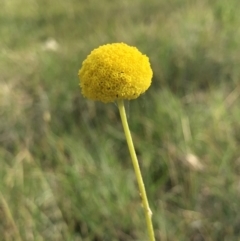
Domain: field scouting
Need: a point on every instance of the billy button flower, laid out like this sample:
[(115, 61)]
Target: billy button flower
[(114, 72)]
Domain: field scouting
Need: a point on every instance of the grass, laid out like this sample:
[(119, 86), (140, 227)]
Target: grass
[(65, 169)]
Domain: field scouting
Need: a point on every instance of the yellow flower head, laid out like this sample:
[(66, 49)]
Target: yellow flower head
[(115, 71)]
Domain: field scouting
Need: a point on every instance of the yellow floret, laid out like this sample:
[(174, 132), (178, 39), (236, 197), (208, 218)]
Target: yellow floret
[(115, 71)]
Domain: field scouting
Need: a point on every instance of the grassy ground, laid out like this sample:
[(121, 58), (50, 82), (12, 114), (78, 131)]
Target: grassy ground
[(65, 170)]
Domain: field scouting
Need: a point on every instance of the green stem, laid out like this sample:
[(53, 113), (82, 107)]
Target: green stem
[(147, 210)]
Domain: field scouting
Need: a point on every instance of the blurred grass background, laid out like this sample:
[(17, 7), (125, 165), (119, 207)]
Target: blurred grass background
[(65, 171)]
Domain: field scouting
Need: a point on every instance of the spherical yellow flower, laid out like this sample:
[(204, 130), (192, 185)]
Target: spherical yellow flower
[(113, 72)]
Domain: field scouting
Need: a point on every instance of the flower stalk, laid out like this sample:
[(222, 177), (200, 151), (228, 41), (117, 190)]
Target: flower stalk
[(147, 210)]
